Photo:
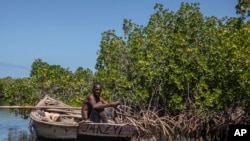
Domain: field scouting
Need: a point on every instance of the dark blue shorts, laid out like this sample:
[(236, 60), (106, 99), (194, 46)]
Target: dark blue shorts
[(95, 117)]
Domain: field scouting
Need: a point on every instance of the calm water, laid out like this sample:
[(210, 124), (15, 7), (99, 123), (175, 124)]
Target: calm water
[(14, 128)]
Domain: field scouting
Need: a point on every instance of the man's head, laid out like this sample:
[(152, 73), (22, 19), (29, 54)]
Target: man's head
[(97, 89)]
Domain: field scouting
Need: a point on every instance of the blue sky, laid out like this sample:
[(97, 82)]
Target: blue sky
[(68, 32)]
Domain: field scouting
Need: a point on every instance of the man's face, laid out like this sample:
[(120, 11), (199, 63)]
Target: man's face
[(97, 90)]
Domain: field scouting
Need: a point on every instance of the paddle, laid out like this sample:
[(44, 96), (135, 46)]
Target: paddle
[(38, 107), (53, 108)]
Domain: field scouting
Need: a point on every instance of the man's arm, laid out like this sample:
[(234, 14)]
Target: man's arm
[(102, 104), (85, 109), (103, 101)]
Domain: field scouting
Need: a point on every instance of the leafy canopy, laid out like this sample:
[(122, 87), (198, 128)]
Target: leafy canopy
[(178, 60)]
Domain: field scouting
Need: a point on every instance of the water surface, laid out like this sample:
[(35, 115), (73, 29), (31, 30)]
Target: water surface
[(14, 128)]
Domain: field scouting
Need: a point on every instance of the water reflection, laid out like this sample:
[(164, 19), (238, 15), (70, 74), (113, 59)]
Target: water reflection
[(14, 128), (14, 134)]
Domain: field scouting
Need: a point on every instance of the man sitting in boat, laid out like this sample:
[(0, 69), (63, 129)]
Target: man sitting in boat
[(95, 108)]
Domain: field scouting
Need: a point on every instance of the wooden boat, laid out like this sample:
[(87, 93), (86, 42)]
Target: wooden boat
[(108, 130), (63, 126), (53, 119)]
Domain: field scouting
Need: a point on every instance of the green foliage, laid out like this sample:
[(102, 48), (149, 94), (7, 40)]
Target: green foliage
[(52, 80), (178, 60), (3, 82), (243, 8), (20, 92)]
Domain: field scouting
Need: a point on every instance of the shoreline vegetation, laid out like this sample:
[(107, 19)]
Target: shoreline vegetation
[(159, 125), (185, 126)]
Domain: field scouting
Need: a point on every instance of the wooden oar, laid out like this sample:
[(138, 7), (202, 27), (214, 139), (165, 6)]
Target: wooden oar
[(37, 107), (53, 108), (64, 111), (75, 116)]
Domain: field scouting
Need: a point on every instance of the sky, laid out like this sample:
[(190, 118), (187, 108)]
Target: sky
[(68, 32)]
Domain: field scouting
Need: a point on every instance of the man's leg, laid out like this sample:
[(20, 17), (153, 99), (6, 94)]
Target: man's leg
[(111, 113), (103, 116), (94, 116), (115, 117)]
